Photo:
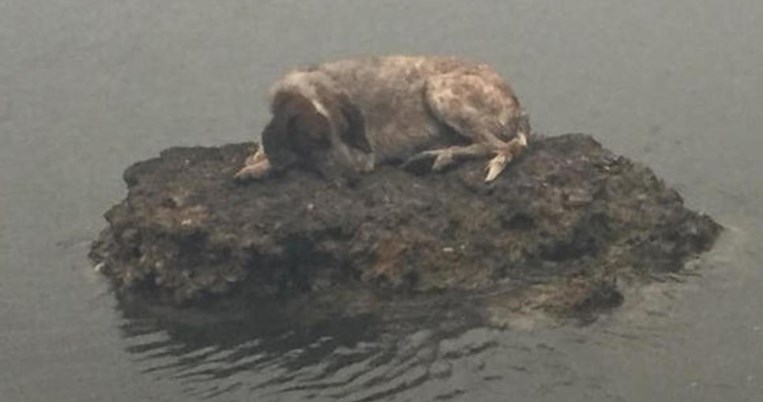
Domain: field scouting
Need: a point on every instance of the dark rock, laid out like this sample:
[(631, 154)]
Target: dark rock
[(568, 217)]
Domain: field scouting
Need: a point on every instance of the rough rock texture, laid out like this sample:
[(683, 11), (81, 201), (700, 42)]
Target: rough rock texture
[(568, 217)]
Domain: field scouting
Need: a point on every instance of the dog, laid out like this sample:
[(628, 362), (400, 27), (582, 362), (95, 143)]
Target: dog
[(350, 115)]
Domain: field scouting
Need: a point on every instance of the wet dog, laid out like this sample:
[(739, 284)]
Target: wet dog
[(350, 115)]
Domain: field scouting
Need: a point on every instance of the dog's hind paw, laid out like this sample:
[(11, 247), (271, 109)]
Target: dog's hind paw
[(495, 166)]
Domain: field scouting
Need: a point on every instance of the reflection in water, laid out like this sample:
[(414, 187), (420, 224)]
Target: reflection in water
[(342, 346), (307, 348)]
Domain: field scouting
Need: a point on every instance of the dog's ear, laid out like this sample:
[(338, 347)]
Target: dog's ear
[(276, 140), (354, 133)]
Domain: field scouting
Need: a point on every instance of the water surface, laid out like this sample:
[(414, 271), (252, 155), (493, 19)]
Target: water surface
[(88, 87)]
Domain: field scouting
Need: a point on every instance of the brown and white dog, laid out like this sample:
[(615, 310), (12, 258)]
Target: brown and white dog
[(349, 115)]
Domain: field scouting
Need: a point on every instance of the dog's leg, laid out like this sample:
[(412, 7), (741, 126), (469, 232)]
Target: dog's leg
[(258, 156), (256, 171), (477, 108), (256, 166), (445, 157)]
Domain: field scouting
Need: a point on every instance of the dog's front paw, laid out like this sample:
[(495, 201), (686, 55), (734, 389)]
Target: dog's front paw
[(256, 171)]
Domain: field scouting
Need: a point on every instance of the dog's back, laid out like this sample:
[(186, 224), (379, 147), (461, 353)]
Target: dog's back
[(390, 91)]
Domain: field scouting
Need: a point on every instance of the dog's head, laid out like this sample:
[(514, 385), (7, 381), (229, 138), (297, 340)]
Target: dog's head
[(295, 131), (323, 135)]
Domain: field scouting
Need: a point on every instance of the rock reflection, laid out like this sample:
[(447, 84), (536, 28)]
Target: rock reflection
[(323, 346)]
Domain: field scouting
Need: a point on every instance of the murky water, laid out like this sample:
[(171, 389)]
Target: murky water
[(88, 87)]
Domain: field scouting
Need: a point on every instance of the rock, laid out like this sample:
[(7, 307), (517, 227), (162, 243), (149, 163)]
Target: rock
[(561, 226)]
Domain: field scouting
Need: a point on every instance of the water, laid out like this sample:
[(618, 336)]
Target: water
[(88, 87)]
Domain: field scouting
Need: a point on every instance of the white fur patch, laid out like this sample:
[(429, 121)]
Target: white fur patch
[(321, 109), (522, 139)]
